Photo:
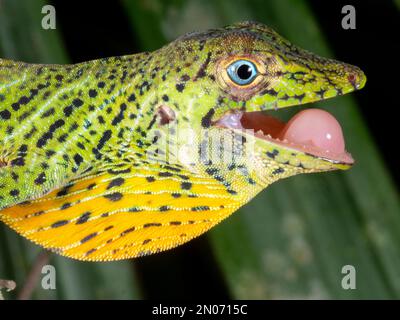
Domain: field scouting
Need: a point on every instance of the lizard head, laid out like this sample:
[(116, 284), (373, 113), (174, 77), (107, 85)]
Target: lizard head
[(220, 85)]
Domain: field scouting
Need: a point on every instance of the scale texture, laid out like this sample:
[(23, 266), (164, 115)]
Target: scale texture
[(118, 157)]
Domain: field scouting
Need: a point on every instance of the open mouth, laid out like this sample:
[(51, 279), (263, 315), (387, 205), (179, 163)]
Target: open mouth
[(312, 131)]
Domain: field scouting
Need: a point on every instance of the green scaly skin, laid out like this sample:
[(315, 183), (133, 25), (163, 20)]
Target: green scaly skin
[(59, 122)]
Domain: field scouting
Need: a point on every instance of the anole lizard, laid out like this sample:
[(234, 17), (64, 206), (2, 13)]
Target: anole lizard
[(127, 156)]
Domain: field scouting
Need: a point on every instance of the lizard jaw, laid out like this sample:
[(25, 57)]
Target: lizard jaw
[(313, 132)]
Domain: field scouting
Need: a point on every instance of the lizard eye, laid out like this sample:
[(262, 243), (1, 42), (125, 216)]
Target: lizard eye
[(242, 72)]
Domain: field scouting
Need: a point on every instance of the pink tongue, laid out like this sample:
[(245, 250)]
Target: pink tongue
[(315, 127)]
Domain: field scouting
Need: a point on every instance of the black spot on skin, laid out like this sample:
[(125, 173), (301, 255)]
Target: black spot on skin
[(91, 186), (152, 122), (73, 127), (80, 145), (15, 106), (175, 223), (132, 98), (180, 87), (118, 118), (165, 98), (77, 102), (65, 206), (101, 120), (68, 110), (18, 162), (172, 168), (41, 178), (127, 231), (164, 208), (23, 149), (101, 84), (48, 113), (115, 183), (154, 224), (165, 174), (50, 153), (111, 171), (271, 92), (78, 159), (231, 191), (211, 171), (176, 195), (24, 100), (83, 218), (108, 228), (49, 134), (272, 154), (150, 179), (277, 171), (88, 237), (202, 71), (146, 241), (63, 138), (5, 114), (206, 120), (44, 165), (105, 137), (92, 93), (116, 196), (59, 223), (186, 185), (14, 192), (90, 252)]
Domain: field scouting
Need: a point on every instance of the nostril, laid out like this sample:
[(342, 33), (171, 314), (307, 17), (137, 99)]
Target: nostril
[(352, 78)]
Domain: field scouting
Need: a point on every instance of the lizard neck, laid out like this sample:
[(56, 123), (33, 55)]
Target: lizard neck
[(74, 115)]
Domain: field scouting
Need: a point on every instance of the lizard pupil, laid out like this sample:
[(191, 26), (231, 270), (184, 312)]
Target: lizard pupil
[(242, 72)]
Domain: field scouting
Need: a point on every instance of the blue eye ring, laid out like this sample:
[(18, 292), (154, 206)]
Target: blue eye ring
[(242, 72)]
